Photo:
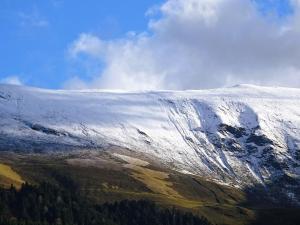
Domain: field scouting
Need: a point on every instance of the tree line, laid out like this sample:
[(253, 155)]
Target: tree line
[(47, 204)]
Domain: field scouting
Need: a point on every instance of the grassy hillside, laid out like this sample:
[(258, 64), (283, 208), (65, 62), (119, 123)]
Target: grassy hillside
[(103, 177), (9, 177)]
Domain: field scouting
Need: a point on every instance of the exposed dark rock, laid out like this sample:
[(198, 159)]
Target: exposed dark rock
[(217, 143), (4, 96), (142, 133), (147, 142), (272, 161), (256, 128), (237, 132), (45, 130), (189, 139), (297, 154), (268, 149), (232, 145), (285, 179), (260, 140), (251, 149)]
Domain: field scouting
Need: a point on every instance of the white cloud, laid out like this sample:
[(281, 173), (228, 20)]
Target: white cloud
[(15, 80), (200, 44), (75, 83), (32, 19), (87, 44)]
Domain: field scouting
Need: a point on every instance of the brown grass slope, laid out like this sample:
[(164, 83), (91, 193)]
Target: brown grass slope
[(104, 177)]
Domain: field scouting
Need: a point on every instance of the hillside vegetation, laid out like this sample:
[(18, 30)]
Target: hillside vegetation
[(9, 177)]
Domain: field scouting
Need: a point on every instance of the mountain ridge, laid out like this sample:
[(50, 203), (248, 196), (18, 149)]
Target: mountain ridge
[(244, 135)]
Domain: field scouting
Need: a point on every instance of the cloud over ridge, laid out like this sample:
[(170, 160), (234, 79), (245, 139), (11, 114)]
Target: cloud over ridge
[(198, 44), (14, 80)]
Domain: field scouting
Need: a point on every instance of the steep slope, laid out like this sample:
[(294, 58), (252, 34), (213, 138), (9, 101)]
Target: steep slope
[(245, 135)]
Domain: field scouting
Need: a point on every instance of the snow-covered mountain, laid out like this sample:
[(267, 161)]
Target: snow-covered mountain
[(240, 135)]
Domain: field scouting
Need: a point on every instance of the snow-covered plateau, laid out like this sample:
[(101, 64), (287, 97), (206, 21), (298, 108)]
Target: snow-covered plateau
[(241, 135)]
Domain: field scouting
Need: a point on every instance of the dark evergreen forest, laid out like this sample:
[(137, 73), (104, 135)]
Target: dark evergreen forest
[(50, 204)]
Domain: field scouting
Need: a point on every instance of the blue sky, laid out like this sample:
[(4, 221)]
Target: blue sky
[(36, 34), (281, 7)]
